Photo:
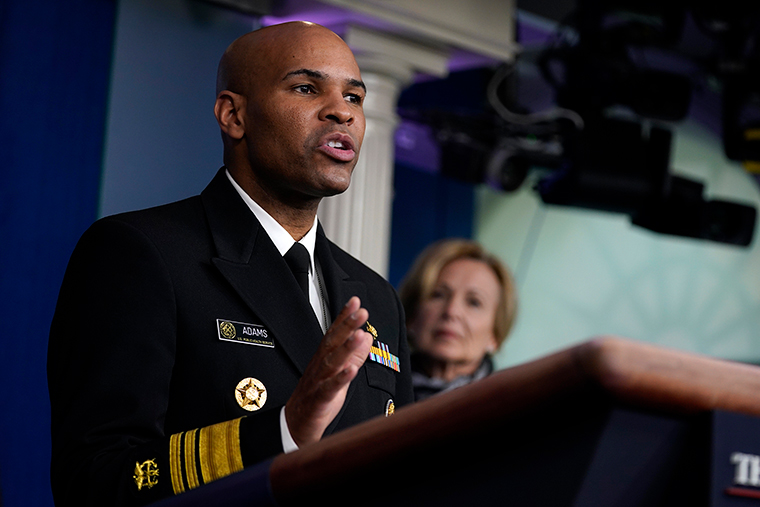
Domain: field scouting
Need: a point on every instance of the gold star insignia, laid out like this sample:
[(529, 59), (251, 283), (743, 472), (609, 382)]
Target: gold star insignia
[(251, 394)]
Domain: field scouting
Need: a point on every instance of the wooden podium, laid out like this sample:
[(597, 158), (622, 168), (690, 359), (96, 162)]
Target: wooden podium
[(609, 422)]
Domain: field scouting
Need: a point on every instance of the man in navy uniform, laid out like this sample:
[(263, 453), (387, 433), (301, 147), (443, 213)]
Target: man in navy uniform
[(187, 342)]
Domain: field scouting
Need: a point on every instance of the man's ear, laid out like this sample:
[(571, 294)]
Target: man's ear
[(229, 111)]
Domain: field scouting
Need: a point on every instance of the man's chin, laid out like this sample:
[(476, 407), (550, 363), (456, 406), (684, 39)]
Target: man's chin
[(336, 184), (319, 193), (335, 190)]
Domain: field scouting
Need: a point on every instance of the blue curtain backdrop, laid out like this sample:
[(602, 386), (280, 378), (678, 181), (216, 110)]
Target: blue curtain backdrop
[(54, 73), (427, 207)]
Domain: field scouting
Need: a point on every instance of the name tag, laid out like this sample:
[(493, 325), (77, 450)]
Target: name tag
[(240, 332)]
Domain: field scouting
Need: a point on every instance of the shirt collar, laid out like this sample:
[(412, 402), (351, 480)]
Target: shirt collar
[(280, 237)]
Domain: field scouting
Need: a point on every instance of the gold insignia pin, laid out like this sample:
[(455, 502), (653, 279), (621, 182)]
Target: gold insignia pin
[(251, 394), (371, 329), (390, 408), (227, 329), (146, 474)]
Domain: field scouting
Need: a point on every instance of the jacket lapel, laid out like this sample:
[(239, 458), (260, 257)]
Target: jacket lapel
[(338, 284), (340, 289), (251, 264)]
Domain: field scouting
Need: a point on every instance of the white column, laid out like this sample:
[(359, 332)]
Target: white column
[(359, 220)]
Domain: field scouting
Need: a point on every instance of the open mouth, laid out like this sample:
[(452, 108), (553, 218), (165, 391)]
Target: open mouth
[(339, 147), (337, 144)]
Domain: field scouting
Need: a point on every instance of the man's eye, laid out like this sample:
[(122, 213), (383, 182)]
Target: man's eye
[(354, 99), (305, 89)]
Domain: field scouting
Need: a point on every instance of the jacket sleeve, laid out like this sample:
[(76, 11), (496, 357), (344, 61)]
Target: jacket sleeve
[(110, 360)]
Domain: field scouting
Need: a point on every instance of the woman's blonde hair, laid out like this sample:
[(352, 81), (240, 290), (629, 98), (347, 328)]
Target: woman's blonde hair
[(419, 282)]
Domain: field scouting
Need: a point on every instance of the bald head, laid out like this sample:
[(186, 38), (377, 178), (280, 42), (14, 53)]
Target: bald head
[(290, 106), (247, 56)]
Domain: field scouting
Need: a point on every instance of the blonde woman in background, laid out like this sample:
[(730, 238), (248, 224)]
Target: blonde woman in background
[(460, 304)]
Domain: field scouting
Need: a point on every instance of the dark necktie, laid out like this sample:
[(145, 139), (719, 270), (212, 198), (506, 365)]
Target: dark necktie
[(298, 260)]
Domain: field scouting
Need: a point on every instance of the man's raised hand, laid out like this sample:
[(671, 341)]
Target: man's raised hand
[(320, 393)]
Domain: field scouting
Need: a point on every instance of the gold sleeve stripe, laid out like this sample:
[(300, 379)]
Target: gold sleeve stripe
[(190, 469), (219, 450), (175, 465), (214, 450)]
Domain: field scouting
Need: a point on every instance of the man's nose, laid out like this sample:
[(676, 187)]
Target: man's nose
[(337, 109)]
